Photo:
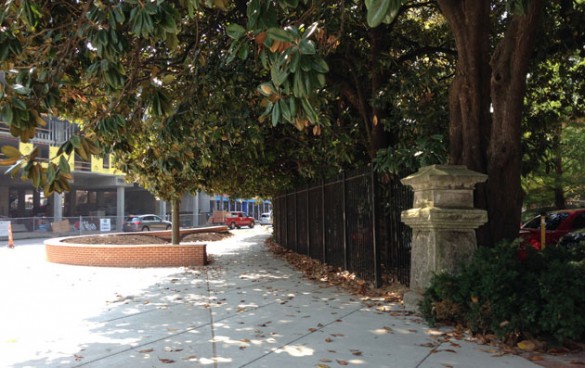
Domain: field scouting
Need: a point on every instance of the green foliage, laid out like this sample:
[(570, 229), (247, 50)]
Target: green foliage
[(498, 292), (554, 161)]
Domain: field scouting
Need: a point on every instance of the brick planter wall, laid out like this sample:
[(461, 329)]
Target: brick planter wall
[(148, 255), (127, 255)]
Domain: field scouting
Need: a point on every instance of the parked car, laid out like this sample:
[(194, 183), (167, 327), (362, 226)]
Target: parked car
[(145, 223), (557, 224), (238, 219), (573, 239), (266, 218)]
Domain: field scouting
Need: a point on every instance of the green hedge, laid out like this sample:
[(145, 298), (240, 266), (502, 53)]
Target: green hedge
[(541, 295)]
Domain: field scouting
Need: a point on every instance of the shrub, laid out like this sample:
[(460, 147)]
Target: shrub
[(540, 295)]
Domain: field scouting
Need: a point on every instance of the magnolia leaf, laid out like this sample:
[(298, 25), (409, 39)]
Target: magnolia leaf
[(279, 34), (382, 11), (11, 152), (310, 30), (266, 89), (235, 31)]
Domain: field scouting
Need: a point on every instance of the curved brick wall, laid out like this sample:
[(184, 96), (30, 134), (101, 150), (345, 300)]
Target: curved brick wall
[(127, 255), (148, 255)]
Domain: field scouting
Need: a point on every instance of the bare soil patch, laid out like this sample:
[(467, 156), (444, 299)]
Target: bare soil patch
[(138, 239)]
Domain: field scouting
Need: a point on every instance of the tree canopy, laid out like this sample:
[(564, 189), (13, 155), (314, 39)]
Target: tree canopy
[(247, 98)]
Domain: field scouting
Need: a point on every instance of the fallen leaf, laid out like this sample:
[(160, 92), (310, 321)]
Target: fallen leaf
[(243, 347), (356, 352), (342, 362), (166, 361), (325, 360), (168, 349), (322, 366), (576, 362), (328, 339), (535, 358), (190, 357), (146, 351), (337, 335), (245, 340), (527, 345), (312, 329), (78, 357)]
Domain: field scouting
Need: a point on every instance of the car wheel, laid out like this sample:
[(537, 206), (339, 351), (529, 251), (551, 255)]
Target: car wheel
[(145, 228), (252, 225), (169, 227), (233, 225)]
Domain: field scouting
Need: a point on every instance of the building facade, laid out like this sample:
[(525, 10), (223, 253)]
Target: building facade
[(97, 188)]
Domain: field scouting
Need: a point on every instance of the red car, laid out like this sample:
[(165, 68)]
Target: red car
[(238, 219), (557, 224)]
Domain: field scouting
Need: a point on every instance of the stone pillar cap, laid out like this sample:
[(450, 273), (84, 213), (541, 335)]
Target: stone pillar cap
[(444, 177)]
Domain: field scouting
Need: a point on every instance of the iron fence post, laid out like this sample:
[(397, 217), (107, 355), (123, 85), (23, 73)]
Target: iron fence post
[(323, 221), (286, 219), (296, 228), (344, 219), (307, 215), (377, 275)]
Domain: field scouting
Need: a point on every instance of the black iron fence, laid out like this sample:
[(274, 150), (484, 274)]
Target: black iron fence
[(351, 222)]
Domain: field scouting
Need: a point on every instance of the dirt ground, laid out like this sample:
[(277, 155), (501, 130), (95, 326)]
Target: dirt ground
[(137, 239)]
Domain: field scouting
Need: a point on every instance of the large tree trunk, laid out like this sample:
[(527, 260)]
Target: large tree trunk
[(175, 208), (510, 64), (469, 96), (490, 143)]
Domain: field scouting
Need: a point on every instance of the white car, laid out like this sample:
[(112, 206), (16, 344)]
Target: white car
[(266, 218)]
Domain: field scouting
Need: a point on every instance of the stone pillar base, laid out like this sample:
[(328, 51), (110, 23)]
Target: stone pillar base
[(443, 221)]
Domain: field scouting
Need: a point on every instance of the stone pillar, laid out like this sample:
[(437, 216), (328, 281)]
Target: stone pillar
[(443, 221), (99, 200), (162, 208), (120, 207), (58, 206), (196, 210), (21, 209), (72, 202), (5, 201)]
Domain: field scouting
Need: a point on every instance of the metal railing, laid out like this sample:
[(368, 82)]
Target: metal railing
[(351, 222), (23, 227), (55, 132)]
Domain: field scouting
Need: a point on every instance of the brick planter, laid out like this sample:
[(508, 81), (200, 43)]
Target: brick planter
[(148, 255)]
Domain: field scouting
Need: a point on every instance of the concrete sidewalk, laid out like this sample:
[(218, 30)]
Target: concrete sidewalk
[(247, 309)]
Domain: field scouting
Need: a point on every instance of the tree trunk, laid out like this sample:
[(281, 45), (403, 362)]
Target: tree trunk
[(469, 95), (175, 208), (510, 64), (484, 143)]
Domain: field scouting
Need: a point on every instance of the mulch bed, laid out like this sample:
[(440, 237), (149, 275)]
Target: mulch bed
[(138, 239)]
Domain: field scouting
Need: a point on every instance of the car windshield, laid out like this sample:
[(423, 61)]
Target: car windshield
[(552, 220)]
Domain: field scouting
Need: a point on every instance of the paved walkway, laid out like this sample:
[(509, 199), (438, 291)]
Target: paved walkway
[(247, 309)]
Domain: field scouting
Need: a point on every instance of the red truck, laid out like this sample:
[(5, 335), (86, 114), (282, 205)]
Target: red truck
[(238, 219)]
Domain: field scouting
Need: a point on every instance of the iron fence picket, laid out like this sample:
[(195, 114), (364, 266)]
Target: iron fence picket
[(301, 223), (334, 235), (316, 227)]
